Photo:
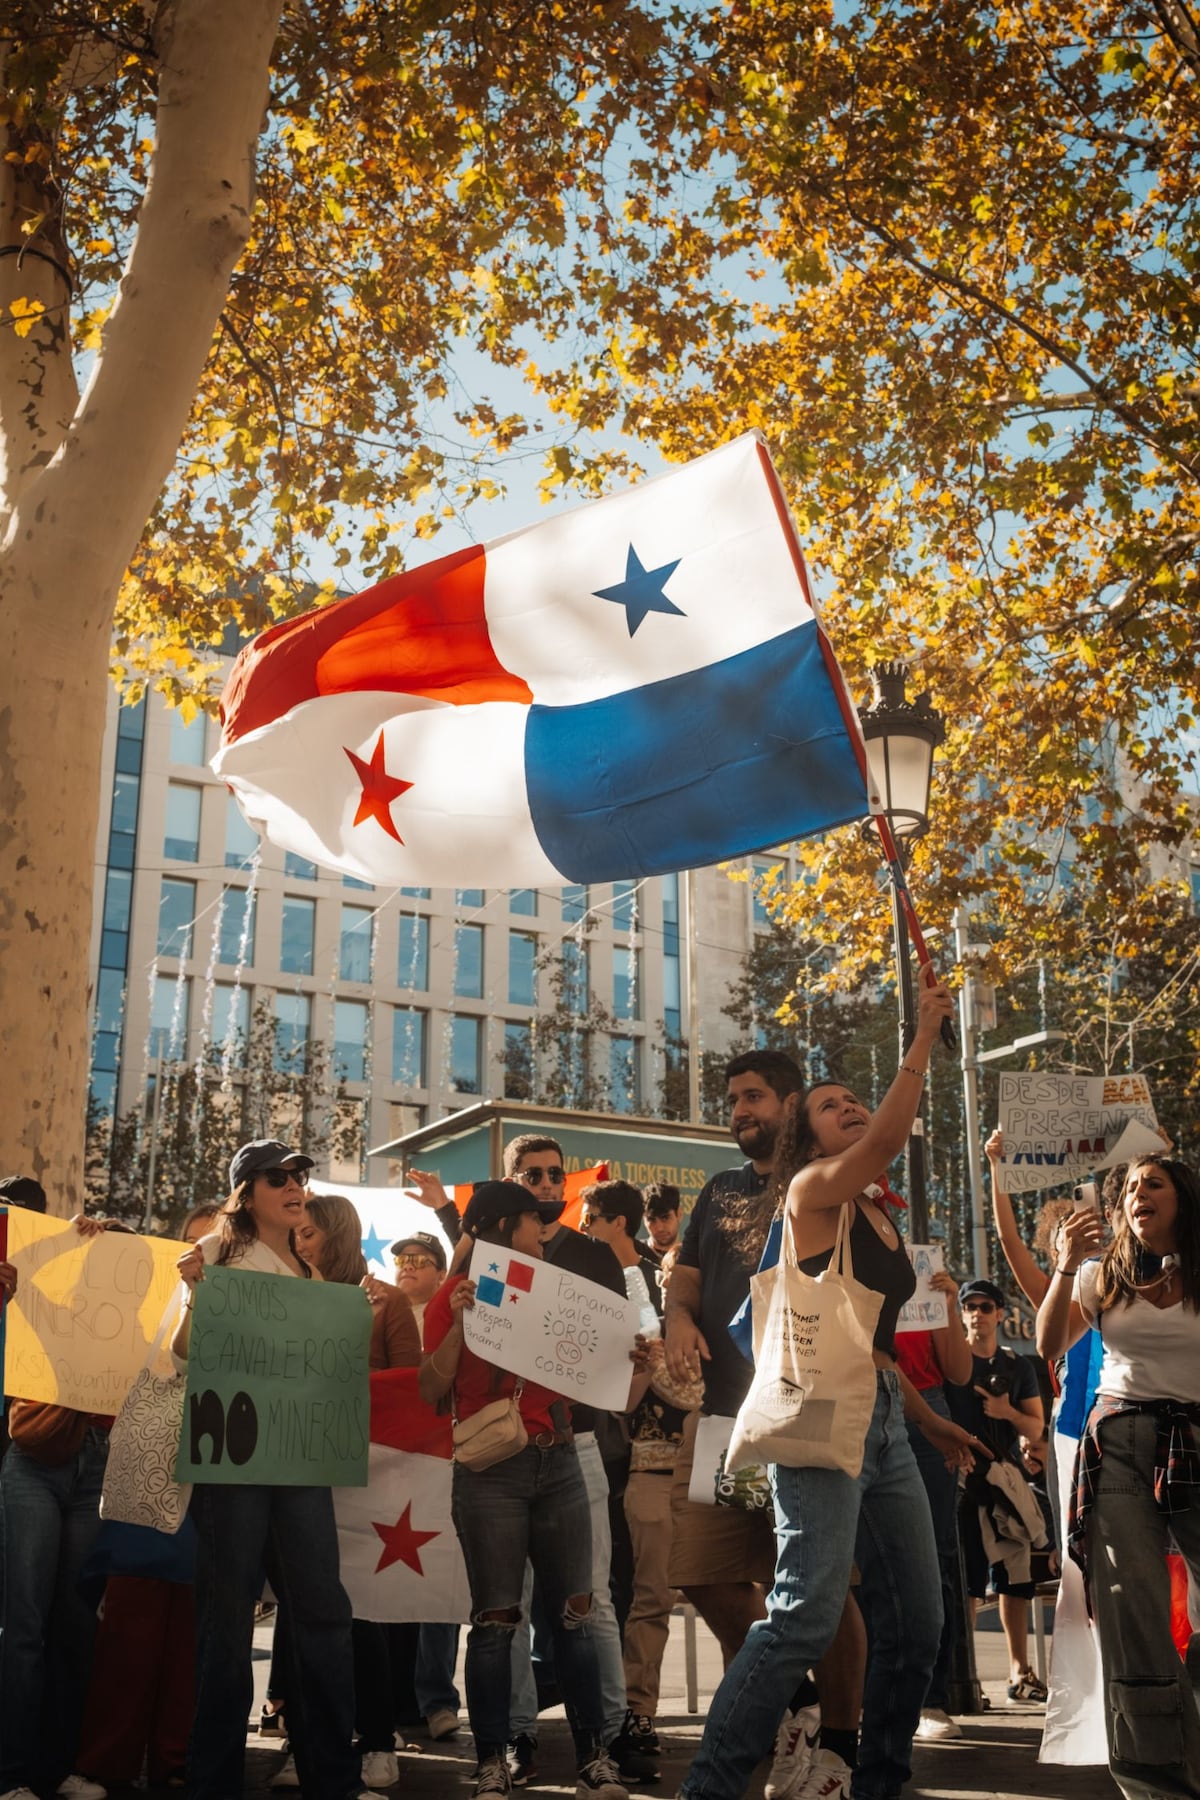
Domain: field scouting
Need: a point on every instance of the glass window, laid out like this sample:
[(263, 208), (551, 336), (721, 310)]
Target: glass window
[(670, 975), (237, 924), (624, 912), (169, 1017), (1195, 876), (241, 839), (522, 968), (106, 1048), (131, 721), (412, 958), (468, 896), (182, 837), (518, 1061), (291, 1032), (670, 900), (125, 803), (761, 885), (575, 976), (296, 935), (230, 1020), (465, 1040), (129, 756), (523, 900), (114, 949), (468, 961), (102, 1093), (110, 1000), (408, 1047), (574, 903), (354, 955), (187, 741), (623, 1074), (176, 910), (354, 882), (405, 1118), (416, 893), (299, 867), (118, 893), (350, 1039), (120, 850), (627, 998)]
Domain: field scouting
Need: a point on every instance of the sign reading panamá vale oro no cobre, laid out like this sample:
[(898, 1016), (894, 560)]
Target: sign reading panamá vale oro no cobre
[(536, 1320), (277, 1384)]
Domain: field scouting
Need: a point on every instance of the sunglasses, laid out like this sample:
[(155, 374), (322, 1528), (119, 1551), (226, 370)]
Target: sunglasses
[(592, 1218), (984, 1306), (531, 1176), (279, 1178), (413, 1261)]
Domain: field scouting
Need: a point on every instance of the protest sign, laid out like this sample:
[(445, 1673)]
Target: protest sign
[(536, 1320), (1059, 1128), (277, 1388), (80, 1325), (927, 1310)]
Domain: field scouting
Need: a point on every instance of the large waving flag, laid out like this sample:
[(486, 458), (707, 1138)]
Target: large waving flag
[(635, 687), (400, 1557)]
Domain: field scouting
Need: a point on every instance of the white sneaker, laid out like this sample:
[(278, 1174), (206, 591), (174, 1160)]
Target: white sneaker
[(78, 1787), (286, 1776), (21, 1793), (442, 1723), (795, 1742), (937, 1726), (828, 1778), (380, 1769)]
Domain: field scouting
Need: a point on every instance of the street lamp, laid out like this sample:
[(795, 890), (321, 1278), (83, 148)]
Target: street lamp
[(901, 736)]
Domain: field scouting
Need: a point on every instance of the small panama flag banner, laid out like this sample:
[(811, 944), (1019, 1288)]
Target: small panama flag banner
[(504, 1282), (638, 686), (400, 1556)]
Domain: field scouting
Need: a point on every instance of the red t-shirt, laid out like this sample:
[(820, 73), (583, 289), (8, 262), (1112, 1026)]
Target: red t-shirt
[(478, 1383), (915, 1358)]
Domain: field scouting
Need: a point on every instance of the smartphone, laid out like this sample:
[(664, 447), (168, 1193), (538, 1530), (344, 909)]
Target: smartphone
[(1085, 1197)]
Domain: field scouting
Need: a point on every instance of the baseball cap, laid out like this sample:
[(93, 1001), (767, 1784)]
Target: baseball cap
[(264, 1153), (987, 1290), (23, 1190), (422, 1240), (496, 1200)]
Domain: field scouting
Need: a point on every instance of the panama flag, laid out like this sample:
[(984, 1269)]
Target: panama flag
[(634, 687), (400, 1557), (503, 1280)]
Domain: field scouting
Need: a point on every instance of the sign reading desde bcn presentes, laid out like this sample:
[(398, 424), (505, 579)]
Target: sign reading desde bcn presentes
[(536, 1320), (928, 1309), (277, 1387), (1060, 1128), (80, 1325)]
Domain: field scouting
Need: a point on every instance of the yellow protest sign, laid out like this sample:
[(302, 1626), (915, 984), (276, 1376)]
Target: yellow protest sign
[(85, 1313)]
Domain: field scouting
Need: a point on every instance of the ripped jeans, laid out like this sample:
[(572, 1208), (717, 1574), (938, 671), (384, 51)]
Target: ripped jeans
[(532, 1506), (1153, 1725)]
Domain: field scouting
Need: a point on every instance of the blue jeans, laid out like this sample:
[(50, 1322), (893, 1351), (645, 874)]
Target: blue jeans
[(288, 1533), (824, 1521), (48, 1520), (532, 1507), (941, 1488)]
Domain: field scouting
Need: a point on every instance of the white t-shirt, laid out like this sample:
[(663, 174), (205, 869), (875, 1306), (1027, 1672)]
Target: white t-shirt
[(1150, 1352)]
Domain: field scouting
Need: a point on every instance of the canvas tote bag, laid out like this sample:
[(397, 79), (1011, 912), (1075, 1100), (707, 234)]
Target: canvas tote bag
[(139, 1478), (813, 1393)]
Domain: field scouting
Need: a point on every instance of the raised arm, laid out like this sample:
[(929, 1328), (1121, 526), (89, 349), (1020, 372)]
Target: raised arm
[(1061, 1321), (950, 1347), (830, 1181), (1028, 1274)]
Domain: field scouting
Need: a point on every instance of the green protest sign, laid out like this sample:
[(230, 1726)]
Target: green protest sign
[(277, 1389)]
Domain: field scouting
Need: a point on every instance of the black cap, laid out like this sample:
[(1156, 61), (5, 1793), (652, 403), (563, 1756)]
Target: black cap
[(422, 1240), (986, 1289), (22, 1190), (496, 1200), (264, 1153)]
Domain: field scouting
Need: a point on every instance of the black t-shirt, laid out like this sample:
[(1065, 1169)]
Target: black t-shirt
[(966, 1406), (724, 1284), (594, 1261)]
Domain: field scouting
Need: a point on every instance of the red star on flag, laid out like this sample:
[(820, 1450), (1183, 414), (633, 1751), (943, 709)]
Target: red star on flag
[(379, 789), (402, 1542)]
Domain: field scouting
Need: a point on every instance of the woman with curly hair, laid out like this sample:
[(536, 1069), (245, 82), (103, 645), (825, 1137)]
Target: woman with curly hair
[(1138, 1466)]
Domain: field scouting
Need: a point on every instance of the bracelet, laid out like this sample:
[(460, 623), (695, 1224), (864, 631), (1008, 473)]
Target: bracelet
[(1071, 1272), (919, 1073), (441, 1373)]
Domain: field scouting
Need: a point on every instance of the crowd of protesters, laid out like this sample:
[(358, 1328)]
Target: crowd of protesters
[(834, 1599)]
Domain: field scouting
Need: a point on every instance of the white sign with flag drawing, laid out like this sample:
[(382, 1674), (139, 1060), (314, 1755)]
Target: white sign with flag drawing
[(536, 1320), (1059, 1128), (928, 1309)]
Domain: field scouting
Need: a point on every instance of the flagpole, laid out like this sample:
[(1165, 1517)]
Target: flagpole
[(693, 998)]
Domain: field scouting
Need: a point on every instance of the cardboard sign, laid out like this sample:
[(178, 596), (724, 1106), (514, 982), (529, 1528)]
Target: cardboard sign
[(83, 1318), (277, 1388), (536, 1320), (927, 1310), (1060, 1128)]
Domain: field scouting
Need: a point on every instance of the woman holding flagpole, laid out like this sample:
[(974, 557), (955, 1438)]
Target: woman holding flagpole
[(288, 1533), (530, 1503)]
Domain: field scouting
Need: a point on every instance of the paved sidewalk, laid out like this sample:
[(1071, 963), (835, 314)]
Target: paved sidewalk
[(995, 1759)]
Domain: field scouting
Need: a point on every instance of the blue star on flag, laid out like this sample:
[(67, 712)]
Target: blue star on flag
[(373, 1246), (641, 592)]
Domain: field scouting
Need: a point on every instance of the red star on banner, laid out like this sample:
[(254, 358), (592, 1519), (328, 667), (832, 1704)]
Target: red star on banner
[(379, 789), (402, 1542)]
